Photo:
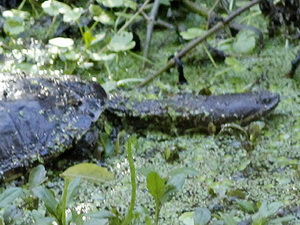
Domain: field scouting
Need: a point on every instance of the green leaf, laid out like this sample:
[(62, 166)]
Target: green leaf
[(71, 16), (14, 21), (88, 171), (177, 181), (95, 10), (246, 206), (101, 15), (53, 8), (234, 64), (69, 55), (130, 4), (14, 26), (187, 218), (192, 33), (61, 42), (201, 216), (145, 170), (281, 220), (121, 42), (88, 38), (245, 42), (9, 195), (40, 218), (156, 186), (111, 3), (37, 176), (16, 13), (266, 210), (72, 189), (97, 38), (228, 219), (48, 198)]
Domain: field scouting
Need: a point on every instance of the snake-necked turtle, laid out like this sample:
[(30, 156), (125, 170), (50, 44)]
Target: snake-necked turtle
[(42, 117)]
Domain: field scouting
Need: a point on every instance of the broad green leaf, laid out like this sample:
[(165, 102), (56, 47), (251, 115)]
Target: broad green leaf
[(228, 219), (9, 195), (71, 16), (192, 33), (40, 218), (156, 186), (17, 13), (187, 218), (174, 184), (177, 181), (111, 3), (105, 18), (61, 42), (97, 38), (88, 38), (281, 220), (48, 198), (121, 42), (69, 55), (201, 216), (53, 8), (246, 206), (234, 64), (14, 21), (101, 15), (245, 42), (130, 4), (72, 189), (266, 210), (88, 171), (14, 25), (95, 10), (37, 176)]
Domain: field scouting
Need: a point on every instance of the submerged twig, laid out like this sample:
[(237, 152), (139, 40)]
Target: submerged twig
[(133, 17), (198, 40), (150, 25), (195, 8)]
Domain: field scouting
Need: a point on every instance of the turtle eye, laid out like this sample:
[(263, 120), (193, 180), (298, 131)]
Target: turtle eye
[(266, 101)]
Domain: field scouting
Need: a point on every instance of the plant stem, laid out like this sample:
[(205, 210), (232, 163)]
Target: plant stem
[(150, 26), (128, 217), (51, 27), (199, 40), (63, 218), (156, 216), (133, 17)]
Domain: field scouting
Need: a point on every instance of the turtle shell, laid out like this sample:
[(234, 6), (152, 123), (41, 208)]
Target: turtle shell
[(42, 117)]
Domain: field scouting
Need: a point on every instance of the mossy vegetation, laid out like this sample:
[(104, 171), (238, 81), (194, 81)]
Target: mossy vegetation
[(203, 179)]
